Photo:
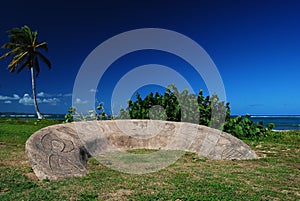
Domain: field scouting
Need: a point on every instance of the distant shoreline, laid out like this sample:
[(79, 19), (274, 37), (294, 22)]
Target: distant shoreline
[(235, 115), (282, 122), (30, 115)]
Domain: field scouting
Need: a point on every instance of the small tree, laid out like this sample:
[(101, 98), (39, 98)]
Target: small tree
[(25, 49)]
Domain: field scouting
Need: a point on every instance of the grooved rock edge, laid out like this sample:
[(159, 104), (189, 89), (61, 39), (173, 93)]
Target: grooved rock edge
[(62, 150)]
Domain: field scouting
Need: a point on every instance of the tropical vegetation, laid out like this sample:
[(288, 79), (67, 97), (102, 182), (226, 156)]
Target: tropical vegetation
[(185, 107), (25, 50)]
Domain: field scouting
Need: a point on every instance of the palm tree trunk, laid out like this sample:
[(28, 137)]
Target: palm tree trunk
[(39, 116)]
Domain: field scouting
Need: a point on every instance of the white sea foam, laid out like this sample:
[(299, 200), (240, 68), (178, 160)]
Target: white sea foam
[(275, 116)]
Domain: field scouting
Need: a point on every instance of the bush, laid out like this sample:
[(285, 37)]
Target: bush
[(243, 127), (69, 117), (207, 111), (92, 115), (185, 107), (176, 106)]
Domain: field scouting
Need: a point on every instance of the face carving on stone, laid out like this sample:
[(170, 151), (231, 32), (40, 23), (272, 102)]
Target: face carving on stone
[(57, 154)]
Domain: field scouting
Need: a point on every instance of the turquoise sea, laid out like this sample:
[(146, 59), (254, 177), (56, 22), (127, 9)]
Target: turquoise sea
[(282, 122)]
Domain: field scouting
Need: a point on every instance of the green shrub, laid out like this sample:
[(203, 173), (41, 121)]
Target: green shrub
[(176, 106), (69, 117), (243, 127), (185, 107), (102, 115), (91, 115)]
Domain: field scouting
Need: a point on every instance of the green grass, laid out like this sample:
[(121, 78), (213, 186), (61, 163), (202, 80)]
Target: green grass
[(275, 176)]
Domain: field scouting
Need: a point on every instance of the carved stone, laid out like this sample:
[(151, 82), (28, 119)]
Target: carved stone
[(62, 150), (56, 152)]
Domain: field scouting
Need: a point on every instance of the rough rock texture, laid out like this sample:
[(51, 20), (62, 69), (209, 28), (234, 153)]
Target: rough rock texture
[(61, 151), (56, 152)]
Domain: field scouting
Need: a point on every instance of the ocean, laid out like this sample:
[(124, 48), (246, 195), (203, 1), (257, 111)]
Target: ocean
[(282, 122), (286, 122), (32, 116)]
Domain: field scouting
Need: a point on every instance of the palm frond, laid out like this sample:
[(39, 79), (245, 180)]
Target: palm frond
[(28, 33), (23, 46), (14, 51), (17, 59), (13, 66), (17, 36), (42, 45), (22, 35), (34, 37), (44, 59), (10, 45), (26, 63)]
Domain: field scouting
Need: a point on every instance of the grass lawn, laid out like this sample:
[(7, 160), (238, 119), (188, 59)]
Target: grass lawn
[(275, 176)]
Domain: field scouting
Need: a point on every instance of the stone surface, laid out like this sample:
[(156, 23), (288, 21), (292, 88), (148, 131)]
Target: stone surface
[(56, 152), (61, 151)]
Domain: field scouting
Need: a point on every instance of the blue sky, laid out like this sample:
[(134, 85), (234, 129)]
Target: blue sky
[(255, 45)]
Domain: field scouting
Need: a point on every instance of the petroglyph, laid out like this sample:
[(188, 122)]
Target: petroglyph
[(62, 150)]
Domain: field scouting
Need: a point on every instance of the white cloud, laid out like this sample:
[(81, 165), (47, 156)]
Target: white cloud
[(14, 97), (51, 101), (79, 101), (63, 95), (68, 95), (41, 94), (43, 98), (4, 97), (45, 95), (8, 102), (27, 100)]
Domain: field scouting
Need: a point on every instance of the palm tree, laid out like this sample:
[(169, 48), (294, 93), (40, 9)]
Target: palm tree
[(24, 48)]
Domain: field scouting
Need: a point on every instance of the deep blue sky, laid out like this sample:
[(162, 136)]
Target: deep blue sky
[(255, 44)]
